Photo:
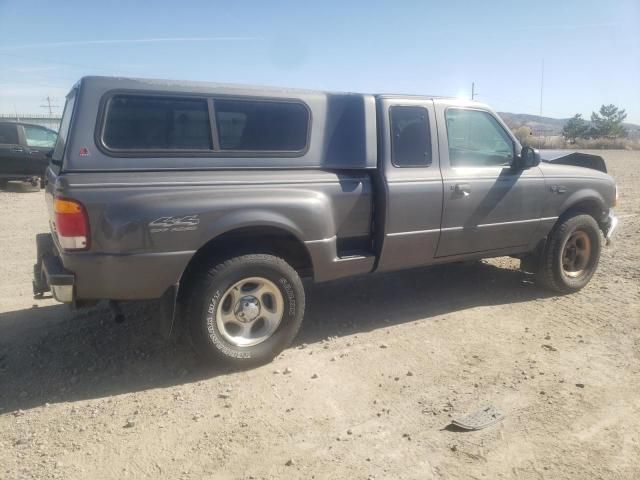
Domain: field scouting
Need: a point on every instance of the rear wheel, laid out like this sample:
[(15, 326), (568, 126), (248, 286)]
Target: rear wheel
[(571, 255), (246, 310)]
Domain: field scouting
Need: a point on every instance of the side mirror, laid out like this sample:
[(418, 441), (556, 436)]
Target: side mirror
[(529, 157)]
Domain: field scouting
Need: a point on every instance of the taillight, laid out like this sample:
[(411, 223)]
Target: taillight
[(72, 224)]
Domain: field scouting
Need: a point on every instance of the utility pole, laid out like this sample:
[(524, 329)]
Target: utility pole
[(541, 85), (49, 106)]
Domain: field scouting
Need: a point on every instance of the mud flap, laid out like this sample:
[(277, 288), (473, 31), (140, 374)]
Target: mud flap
[(44, 246), (167, 307)]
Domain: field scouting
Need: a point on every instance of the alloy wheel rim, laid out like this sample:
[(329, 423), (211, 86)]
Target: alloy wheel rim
[(250, 311)]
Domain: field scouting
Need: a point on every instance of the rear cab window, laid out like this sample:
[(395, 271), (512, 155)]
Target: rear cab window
[(157, 123), (138, 124), (63, 131), (261, 126)]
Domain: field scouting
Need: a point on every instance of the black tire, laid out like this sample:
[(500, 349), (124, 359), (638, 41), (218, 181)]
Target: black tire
[(20, 186), (210, 286), (551, 273)]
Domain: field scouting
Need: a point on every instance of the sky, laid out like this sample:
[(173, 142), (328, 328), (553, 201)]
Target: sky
[(590, 49)]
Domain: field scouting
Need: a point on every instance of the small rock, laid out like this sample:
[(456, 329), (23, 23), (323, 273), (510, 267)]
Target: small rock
[(289, 462), (287, 371), (333, 359), (384, 345), (349, 432), (315, 375), (409, 373), (550, 348), (130, 424), (223, 395), (580, 385), (277, 372)]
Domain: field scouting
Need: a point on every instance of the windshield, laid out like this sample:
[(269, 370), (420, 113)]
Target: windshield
[(63, 132)]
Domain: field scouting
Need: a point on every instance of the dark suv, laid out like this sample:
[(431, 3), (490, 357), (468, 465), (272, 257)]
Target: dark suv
[(23, 150)]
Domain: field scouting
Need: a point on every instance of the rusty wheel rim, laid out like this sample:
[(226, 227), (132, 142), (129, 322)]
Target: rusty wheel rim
[(576, 254)]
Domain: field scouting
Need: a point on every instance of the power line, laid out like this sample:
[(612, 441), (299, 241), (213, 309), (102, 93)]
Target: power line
[(49, 106)]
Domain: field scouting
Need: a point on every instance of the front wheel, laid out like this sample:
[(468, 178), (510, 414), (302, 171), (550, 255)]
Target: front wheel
[(246, 310), (571, 255)]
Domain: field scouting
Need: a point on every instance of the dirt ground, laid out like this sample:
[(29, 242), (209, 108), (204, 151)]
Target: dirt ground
[(380, 367)]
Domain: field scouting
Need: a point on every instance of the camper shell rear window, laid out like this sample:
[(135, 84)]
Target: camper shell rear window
[(157, 125)]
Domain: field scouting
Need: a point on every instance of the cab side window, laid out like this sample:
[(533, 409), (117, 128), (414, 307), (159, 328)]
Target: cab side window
[(476, 139), (410, 137), (40, 137)]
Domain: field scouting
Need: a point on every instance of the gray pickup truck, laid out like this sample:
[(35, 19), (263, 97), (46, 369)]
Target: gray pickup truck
[(218, 199)]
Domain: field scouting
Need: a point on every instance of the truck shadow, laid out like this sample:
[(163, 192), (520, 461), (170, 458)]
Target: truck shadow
[(52, 354)]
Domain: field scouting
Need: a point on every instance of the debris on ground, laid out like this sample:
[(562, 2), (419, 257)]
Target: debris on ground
[(479, 419)]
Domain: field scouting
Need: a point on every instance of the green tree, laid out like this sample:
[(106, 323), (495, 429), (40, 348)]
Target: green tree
[(575, 127), (608, 123)]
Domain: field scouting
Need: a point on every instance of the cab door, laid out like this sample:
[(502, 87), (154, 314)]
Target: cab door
[(410, 188), (487, 206), (38, 142), (13, 155)]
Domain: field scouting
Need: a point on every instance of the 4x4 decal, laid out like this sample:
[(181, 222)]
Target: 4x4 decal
[(174, 224)]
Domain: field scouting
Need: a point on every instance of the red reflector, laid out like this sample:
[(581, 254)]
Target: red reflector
[(72, 224)]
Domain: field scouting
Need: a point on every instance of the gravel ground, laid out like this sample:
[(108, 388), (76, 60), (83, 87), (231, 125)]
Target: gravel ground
[(381, 366)]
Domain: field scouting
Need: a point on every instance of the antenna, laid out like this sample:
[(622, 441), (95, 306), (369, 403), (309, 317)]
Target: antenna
[(473, 90), (541, 85), (49, 105)]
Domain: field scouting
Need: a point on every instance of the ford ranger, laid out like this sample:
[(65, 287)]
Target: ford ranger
[(218, 199)]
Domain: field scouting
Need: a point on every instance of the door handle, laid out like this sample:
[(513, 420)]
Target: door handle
[(17, 149), (463, 189)]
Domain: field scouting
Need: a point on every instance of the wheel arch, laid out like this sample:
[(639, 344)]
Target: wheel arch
[(268, 238), (588, 202)]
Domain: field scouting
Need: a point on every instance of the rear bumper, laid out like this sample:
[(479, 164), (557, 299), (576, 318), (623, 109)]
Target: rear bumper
[(60, 281), (82, 276)]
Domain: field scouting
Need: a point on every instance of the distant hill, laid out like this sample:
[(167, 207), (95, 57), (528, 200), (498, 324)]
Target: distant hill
[(548, 126)]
